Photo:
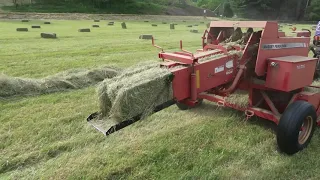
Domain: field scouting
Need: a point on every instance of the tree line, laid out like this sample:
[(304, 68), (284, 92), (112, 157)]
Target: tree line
[(268, 9), (259, 9)]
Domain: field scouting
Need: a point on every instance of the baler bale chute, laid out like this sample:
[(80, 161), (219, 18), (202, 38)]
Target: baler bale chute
[(271, 70)]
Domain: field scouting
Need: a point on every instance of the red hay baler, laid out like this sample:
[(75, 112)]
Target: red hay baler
[(274, 71)]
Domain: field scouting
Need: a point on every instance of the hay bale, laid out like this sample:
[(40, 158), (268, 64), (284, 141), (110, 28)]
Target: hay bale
[(194, 31), (146, 21), (22, 29), (189, 26), (96, 20), (48, 35), (145, 36), (184, 21), (123, 25), (289, 24), (154, 25), (95, 26), (84, 30), (35, 26), (110, 23), (72, 79), (202, 22), (137, 92), (195, 25), (171, 26), (164, 22), (24, 20), (47, 22)]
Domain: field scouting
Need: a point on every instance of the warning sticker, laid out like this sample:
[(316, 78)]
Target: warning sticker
[(229, 64), (219, 69)]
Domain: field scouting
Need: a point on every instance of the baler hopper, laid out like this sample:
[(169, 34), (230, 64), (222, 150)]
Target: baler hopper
[(251, 59)]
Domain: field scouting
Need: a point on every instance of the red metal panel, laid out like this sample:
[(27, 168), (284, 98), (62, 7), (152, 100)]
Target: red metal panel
[(181, 83), (281, 34), (177, 57), (290, 73), (253, 24), (216, 72), (268, 49)]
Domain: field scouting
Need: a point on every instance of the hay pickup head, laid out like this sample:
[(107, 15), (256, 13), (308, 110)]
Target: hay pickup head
[(253, 59)]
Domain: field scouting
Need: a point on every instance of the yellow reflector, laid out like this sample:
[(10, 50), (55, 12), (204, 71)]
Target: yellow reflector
[(198, 78)]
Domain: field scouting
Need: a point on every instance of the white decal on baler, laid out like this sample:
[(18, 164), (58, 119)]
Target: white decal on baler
[(284, 45), (219, 69), (301, 66), (229, 64)]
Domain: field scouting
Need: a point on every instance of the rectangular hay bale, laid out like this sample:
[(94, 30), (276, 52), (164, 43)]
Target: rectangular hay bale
[(48, 35), (123, 25), (35, 26), (146, 36), (172, 26), (84, 30), (22, 29)]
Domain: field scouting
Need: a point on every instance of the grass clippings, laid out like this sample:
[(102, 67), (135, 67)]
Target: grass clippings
[(72, 79)]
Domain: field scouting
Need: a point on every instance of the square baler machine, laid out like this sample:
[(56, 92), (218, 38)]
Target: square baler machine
[(272, 70)]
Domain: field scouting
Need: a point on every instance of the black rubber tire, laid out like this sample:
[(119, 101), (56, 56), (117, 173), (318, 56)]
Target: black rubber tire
[(184, 107), (290, 125)]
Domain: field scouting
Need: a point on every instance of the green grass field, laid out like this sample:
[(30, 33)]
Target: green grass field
[(47, 137)]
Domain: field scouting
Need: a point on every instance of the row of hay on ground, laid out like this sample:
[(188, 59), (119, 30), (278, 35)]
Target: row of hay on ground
[(135, 91), (72, 79)]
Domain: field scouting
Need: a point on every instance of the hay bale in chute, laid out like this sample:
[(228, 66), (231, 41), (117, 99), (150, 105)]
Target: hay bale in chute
[(72, 79), (135, 91)]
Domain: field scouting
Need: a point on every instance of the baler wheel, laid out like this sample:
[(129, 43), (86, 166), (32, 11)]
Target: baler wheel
[(184, 107), (296, 127)]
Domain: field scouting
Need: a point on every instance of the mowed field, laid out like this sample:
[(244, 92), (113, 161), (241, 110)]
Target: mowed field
[(47, 137)]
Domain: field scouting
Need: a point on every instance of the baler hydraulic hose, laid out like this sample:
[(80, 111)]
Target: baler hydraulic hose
[(235, 82)]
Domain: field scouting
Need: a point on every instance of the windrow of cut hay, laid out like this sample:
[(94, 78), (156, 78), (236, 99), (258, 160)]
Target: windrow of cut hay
[(72, 79), (135, 91)]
